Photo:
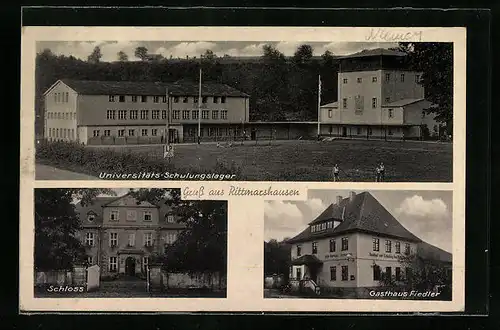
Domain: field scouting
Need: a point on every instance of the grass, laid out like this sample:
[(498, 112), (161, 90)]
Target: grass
[(405, 161)]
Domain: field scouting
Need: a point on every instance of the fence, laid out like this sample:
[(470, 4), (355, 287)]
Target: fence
[(79, 275)]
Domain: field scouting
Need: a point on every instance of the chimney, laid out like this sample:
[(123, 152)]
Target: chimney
[(339, 199), (352, 194)]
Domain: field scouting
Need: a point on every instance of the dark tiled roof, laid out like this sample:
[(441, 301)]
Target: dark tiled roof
[(375, 52), (431, 252), (363, 214), (96, 207), (93, 87), (306, 259), (403, 102)]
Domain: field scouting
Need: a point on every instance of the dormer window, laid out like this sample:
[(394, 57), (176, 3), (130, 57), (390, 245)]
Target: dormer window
[(91, 217), (170, 218)]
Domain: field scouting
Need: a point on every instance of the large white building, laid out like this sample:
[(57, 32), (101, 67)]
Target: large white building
[(378, 97)]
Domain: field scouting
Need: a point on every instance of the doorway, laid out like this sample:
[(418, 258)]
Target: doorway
[(130, 266), (344, 131), (253, 134)]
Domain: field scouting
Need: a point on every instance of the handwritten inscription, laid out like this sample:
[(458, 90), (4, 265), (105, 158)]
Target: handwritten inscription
[(201, 191), (393, 36)]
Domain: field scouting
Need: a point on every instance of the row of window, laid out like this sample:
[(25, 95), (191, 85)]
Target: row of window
[(131, 216), (332, 246), (388, 246), (66, 133), (388, 76), (212, 131), (359, 130), (61, 97), (156, 99), (113, 263), (61, 115), (155, 114), (90, 239), (323, 226), (390, 112)]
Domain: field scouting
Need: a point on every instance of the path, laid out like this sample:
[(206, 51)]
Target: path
[(47, 172)]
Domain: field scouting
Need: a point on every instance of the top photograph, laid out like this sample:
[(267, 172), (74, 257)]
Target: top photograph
[(244, 111)]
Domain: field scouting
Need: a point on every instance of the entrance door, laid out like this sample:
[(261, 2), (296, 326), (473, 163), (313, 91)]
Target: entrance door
[(173, 136), (130, 266), (253, 134), (344, 131)]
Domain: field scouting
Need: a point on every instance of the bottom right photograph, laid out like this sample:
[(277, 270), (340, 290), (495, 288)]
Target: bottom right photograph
[(371, 244)]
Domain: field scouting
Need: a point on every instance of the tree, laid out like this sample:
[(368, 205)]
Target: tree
[(95, 56), (209, 55), (141, 52), (56, 225), (435, 61), (277, 258), (303, 55), (122, 56), (202, 247)]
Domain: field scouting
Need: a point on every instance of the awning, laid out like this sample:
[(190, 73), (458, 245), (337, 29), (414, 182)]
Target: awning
[(307, 259)]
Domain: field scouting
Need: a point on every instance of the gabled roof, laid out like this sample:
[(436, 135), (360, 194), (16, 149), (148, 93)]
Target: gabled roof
[(184, 88), (95, 206), (403, 102), (363, 214), (374, 52), (331, 105), (306, 259)]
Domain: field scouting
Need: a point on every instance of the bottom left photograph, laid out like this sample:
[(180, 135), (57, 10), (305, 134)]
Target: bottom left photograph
[(116, 242)]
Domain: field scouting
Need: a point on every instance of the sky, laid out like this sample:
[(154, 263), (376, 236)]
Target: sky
[(427, 214), (181, 49)]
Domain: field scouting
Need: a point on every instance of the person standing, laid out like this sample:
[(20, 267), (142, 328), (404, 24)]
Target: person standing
[(382, 171), (377, 173), (335, 172)]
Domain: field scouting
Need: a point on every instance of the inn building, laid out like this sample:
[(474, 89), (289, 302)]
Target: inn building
[(107, 112), (353, 243), (378, 96), (120, 235)]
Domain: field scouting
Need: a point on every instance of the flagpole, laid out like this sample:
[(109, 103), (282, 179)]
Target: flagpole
[(319, 102), (199, 109)]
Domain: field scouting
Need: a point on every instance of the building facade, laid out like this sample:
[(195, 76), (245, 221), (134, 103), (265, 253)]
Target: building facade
[(120, 235), (103, 112), (378, 97), (353, 243)]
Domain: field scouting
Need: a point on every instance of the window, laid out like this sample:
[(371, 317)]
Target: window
[(154, 131), (358, 130), (147, 216), (164, 99), (204, 114), (374, 79), (330, 224), (402, 77), (376, 244), (113, 264), (121, 98), (223, 114), (417, 78), (299, 273), (376, 273), (391, 113), (370, 132), (387, 77), (359, 80), (156, 99), (113, 216), (89, 239), (131, 215), (407, 248), (90, 260), (345, 80), (345, 273), (170, 218), (344, 103), (121, 132), (388, 246), (388, 273), (176, 114), (216, 99), (314, 247), (398, 274), (96, 132), (144, 98), (330, 113), (122, 114), (155, 114), (195, 100), (113, 239), (176, 99), (423, 114), (144, 114), (374, 102), (148, 239), (171, 238), (215, 114), (333, 246), (387, 100), (185, 100), (107, 132), (134, 98), (345, 243), (110, 114), (194, 114), (164, 114), (333, 273), (145, 263), (131, 132), (111, 98), (185, 114), (299, 250), (204, 99), (389, 131), (133, 114), (408, 272), (222, 99), (144, 132), (131, 239)]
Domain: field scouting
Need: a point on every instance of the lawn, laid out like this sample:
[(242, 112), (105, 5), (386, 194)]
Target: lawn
[(405, 161)]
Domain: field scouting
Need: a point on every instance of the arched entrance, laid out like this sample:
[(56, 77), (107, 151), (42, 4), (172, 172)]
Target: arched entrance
[(130, 266)]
